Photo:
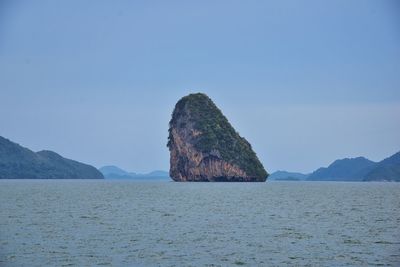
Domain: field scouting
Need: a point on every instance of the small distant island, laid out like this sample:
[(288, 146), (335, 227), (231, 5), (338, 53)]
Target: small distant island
[(287, 176), (114, 172), (17, 162), (358, 169), (204, 147)]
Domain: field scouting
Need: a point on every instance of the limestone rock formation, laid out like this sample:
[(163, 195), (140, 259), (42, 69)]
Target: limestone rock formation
[(204, 146)]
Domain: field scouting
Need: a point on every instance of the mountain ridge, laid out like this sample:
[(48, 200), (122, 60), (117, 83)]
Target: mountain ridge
[(18, 162), (349, 169), (386, 170)]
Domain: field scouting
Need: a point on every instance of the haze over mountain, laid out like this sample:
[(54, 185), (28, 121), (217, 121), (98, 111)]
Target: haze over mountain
[(288, 176), (111, 170), (114, 172), (17, 162)]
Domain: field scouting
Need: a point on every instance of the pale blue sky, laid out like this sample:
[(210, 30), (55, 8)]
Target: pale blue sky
[(305, 82)]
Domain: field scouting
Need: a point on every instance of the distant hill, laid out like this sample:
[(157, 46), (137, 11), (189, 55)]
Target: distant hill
[(19, 162), (113, 172), (287, 176), (386, 170), (360, 169), (349, 169)]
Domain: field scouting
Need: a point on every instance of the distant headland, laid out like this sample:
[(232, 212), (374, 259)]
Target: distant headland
[(357, 169), (17, 162)]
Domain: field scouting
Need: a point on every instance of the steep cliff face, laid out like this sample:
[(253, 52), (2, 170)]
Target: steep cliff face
[(205, 147)]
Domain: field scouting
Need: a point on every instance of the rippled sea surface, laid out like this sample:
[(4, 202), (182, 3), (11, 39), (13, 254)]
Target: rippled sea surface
[(123, 223)]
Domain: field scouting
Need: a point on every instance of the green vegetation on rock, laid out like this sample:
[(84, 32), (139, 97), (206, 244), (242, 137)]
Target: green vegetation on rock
[(216, 133)]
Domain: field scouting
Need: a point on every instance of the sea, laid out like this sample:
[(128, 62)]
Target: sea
[(126, 223)]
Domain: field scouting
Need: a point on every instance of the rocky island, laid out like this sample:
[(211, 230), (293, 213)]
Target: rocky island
[(204, 147)]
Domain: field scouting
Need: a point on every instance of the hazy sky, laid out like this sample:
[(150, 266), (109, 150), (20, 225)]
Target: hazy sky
[(306, 82)]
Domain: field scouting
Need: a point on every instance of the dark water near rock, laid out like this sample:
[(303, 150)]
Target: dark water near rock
[(122, 223)]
